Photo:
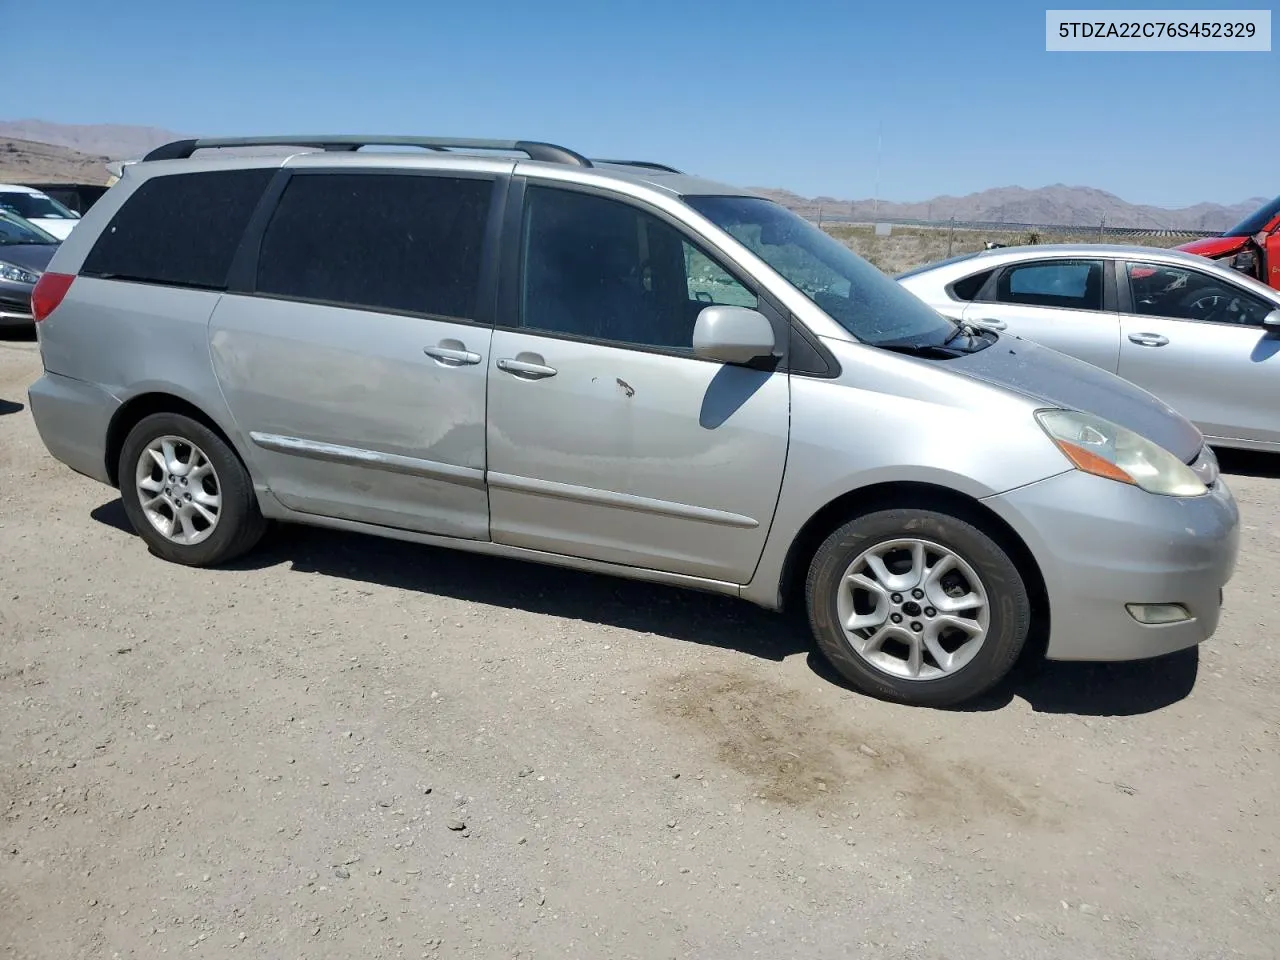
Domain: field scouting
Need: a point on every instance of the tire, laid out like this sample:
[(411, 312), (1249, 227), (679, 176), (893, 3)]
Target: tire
[(953, 669), (238, 524)]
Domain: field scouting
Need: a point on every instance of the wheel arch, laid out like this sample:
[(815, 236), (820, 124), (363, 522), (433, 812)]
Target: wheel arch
[(922, 496), (132, 412)]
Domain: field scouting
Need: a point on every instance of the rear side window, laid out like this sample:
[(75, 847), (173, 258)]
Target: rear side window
[(1074, 284), (968, 288), (182, 229), (402, 243)]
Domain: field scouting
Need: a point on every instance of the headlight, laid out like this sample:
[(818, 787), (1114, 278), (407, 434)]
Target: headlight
[(1106, 449), (16, 274)]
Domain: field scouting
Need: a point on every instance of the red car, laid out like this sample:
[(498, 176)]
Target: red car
[(1252, 245)]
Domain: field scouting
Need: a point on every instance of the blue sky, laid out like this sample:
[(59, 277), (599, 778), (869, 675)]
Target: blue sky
[(785, 94)]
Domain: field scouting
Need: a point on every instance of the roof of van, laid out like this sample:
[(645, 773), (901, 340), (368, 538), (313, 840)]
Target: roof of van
[(345, 150)]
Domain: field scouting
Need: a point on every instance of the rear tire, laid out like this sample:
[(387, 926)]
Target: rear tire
[(917, 607), (186, 492)]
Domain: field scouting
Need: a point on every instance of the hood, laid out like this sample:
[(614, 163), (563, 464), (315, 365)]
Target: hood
[(1058, 380), (1214, 247), (32, 256), (59, 228)]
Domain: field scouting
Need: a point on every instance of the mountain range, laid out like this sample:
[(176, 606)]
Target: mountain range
[(35, 150)]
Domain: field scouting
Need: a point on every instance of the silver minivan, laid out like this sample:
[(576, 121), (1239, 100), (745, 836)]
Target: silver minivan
[(506, 347)]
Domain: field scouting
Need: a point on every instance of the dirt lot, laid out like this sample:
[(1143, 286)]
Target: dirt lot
[(267, 761)]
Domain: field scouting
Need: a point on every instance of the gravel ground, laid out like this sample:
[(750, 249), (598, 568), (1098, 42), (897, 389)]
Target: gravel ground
[(346, 747)]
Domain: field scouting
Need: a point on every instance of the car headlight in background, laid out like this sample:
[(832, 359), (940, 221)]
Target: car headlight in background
[(16, 274), (1106, 449)]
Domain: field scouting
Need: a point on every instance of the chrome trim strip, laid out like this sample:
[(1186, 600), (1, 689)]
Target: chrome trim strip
[(623, 501), (373, 459)]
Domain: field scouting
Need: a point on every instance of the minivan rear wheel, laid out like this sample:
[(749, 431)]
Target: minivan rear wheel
[(917, 606), (186, 492)]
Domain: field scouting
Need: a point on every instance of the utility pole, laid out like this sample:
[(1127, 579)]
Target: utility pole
[(875, 215)]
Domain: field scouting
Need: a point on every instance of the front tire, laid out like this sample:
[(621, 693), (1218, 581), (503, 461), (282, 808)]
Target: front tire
[(186, 492), (917, 606)]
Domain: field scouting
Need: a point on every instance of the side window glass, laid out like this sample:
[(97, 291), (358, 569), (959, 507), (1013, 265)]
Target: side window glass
[(1070, 284), (599, 268), (396, 242), (709, 283), (1160, 290), (181, 229), (968, 288)]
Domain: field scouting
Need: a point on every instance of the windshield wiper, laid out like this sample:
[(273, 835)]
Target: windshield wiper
[(921, 349)]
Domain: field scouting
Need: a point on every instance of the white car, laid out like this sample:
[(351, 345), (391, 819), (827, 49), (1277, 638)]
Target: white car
[(40, 209)]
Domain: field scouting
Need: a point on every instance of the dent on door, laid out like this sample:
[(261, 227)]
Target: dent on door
[(370, 417), (632, 457)]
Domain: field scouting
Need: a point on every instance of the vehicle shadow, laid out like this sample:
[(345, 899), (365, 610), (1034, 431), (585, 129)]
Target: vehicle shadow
[(9, 406), (1249, 463), (18, 334), (678, 614), (1122, 689)]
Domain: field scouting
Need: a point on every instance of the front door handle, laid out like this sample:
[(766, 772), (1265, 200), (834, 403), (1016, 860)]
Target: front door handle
[(991, 324), (1148, 339), (526, 370), (452, 356)]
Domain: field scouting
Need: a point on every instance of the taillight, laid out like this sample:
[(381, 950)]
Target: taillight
[(48, 293)]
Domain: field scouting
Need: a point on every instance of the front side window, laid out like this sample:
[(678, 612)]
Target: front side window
[(603, 269), (1070, 284), (1179, 293), (855, 294), (394, 242)]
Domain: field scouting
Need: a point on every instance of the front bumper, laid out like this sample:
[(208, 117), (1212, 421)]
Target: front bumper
[(1102, 545), (15, 305), (72, 418)]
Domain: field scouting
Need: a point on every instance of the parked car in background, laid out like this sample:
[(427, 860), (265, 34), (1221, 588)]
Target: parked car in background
[(25, 251), (1202, 337), (616, 367), (1252, 246), (37, 207), (76, 197)]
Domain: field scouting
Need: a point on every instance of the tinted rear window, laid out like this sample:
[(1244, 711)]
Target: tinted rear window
[(397, 242), (182, 229)]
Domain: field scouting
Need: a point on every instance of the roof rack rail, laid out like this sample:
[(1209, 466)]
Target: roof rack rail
[(648, 164), (533, 149)]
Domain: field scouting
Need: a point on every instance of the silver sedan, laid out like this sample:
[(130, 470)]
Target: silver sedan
[(1199, 335)]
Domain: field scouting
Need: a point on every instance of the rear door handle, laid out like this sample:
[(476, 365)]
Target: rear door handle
[(526, 370), (991, 324), (1148, 339), (452, 356)]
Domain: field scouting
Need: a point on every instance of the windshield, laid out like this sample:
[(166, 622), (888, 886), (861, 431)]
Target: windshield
[(868, 304), (1256, 221), (35, 206), (14, 230)]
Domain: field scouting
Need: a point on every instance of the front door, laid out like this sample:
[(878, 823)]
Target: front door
[(356, 366), (1062, 303), (608, 439), (1197, 342)]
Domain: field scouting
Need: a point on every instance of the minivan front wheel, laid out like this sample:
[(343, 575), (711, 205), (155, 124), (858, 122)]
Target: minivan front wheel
[(186, 492), (917, 606)]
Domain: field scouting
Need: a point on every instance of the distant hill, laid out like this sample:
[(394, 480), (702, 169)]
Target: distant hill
[(97, 140), (39, 150), (1056, 204), (24, 161)]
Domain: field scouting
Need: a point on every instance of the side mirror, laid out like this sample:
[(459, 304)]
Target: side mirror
[(732, 335), (1271, 321)]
